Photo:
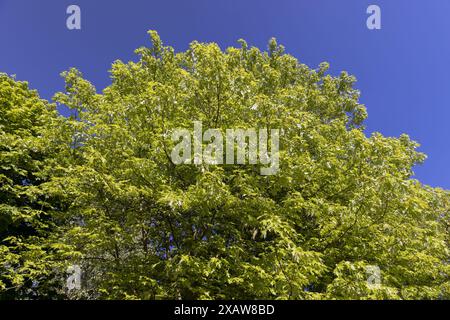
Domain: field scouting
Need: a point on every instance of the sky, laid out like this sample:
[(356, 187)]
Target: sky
[(402, 69)]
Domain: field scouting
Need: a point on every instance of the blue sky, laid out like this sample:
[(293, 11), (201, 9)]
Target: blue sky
[(402, 69)]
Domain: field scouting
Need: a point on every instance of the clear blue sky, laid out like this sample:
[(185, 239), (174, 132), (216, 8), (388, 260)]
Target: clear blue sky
[(402, 69)]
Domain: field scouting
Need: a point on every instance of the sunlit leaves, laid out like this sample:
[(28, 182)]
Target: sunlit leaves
[(142, 227)]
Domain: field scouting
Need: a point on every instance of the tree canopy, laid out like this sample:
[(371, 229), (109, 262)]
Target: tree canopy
[(99, 189)]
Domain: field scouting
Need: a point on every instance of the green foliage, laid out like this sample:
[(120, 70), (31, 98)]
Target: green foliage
[(144, 228), (27, 259)]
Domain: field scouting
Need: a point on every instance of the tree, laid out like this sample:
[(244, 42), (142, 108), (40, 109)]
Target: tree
[(341, 203), (28, 259)]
